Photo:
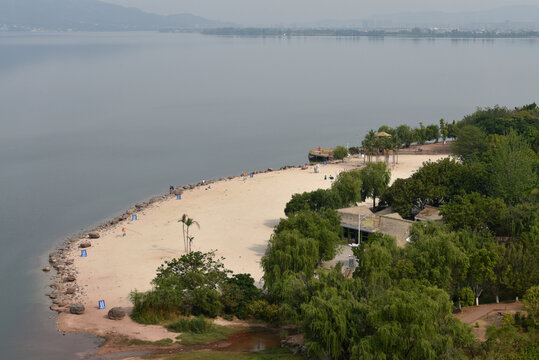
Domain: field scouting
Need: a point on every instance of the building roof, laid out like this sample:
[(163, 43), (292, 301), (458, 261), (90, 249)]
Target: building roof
[(350, 216), (398, 228), (391, 224), (429, 213)]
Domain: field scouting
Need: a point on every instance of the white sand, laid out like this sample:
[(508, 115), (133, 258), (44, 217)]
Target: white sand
[(236, 219)]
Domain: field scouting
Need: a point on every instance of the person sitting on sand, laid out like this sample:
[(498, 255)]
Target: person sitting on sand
[(124, 230)]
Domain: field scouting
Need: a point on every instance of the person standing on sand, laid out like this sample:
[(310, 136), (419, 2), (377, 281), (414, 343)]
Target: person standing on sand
[(124, 230)]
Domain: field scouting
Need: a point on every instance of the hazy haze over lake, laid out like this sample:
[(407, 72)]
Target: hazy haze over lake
[(92, 123)]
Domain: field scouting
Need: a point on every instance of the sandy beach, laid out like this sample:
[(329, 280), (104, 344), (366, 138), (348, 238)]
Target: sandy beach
[(236, 220)]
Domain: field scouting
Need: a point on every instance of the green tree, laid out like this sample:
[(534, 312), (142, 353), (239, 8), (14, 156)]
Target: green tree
[(481, 271), (323, 227), (511, 171), (420, 134), (330, 323), (369, 144), (375, 179), (443, 130), (347, 187), (470, 144), (466, 296), (475, 212), (188, 285), (289, 252), (237, 292), (433, 132), (411, 323), (405, 135), (522, 269), (314, 201), (436, 257), (340, 152), (531, 302)]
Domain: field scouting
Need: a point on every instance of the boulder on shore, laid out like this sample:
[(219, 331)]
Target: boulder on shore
[(76, 309), (116, 313), (94, 235), (85, 244)]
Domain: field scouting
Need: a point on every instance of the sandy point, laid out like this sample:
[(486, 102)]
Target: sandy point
[(236, 220)]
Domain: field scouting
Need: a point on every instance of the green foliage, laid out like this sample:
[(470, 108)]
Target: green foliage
[(420, 134), (330, 323), (511, 170), (531, 302), (405, 135), (347, 188), (475, 212), (470, 144), (443, 130), (197, 325), (521, 270), (194, 284), (411, 323), (323, 227), (481, 270), (353, 150), (466, 296), (289, 252), (510, 341), (435, 183), (375, 178), (237, 293), (376, 259), (340, 152), (432, 132), (436, 256), (262, 310), (314, 201)]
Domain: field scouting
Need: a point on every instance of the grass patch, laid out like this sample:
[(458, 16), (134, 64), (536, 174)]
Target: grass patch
[(216, 333), (275, 354), (197, 325)]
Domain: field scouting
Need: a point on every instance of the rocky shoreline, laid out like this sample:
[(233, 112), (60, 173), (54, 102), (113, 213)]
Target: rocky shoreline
[(66, 294)]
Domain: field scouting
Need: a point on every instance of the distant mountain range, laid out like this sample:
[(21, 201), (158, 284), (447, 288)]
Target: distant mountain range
[(94, 15), (91, 15)]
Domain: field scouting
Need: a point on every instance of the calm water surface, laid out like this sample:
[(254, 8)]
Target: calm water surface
[(92, 123)]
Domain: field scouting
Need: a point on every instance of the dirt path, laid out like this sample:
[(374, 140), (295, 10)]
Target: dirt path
[(471, 314)]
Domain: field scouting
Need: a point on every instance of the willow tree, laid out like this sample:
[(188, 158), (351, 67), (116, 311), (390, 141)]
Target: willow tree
[(289, 252)]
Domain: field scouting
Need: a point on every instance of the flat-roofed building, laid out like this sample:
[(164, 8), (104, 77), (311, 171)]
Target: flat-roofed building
[(359, 221)]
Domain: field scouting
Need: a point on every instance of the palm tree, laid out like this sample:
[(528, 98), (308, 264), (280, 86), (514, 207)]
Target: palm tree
[(186, 224)]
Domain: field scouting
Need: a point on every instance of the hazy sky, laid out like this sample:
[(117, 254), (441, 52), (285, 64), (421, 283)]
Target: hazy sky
[(292, 11)]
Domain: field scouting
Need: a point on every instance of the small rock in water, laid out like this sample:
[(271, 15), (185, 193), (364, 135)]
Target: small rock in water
[(77, 308), (116, 313), (46, 269)]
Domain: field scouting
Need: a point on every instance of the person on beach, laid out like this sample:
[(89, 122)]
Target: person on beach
[(171, 189), (124, 231)]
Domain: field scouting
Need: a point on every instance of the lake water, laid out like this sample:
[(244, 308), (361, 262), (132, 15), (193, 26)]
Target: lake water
[(94, 122)]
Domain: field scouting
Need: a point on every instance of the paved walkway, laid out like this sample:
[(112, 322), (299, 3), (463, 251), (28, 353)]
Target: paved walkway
[(471, 314)]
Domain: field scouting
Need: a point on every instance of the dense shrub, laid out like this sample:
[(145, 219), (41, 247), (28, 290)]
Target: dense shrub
[(197, 325)]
